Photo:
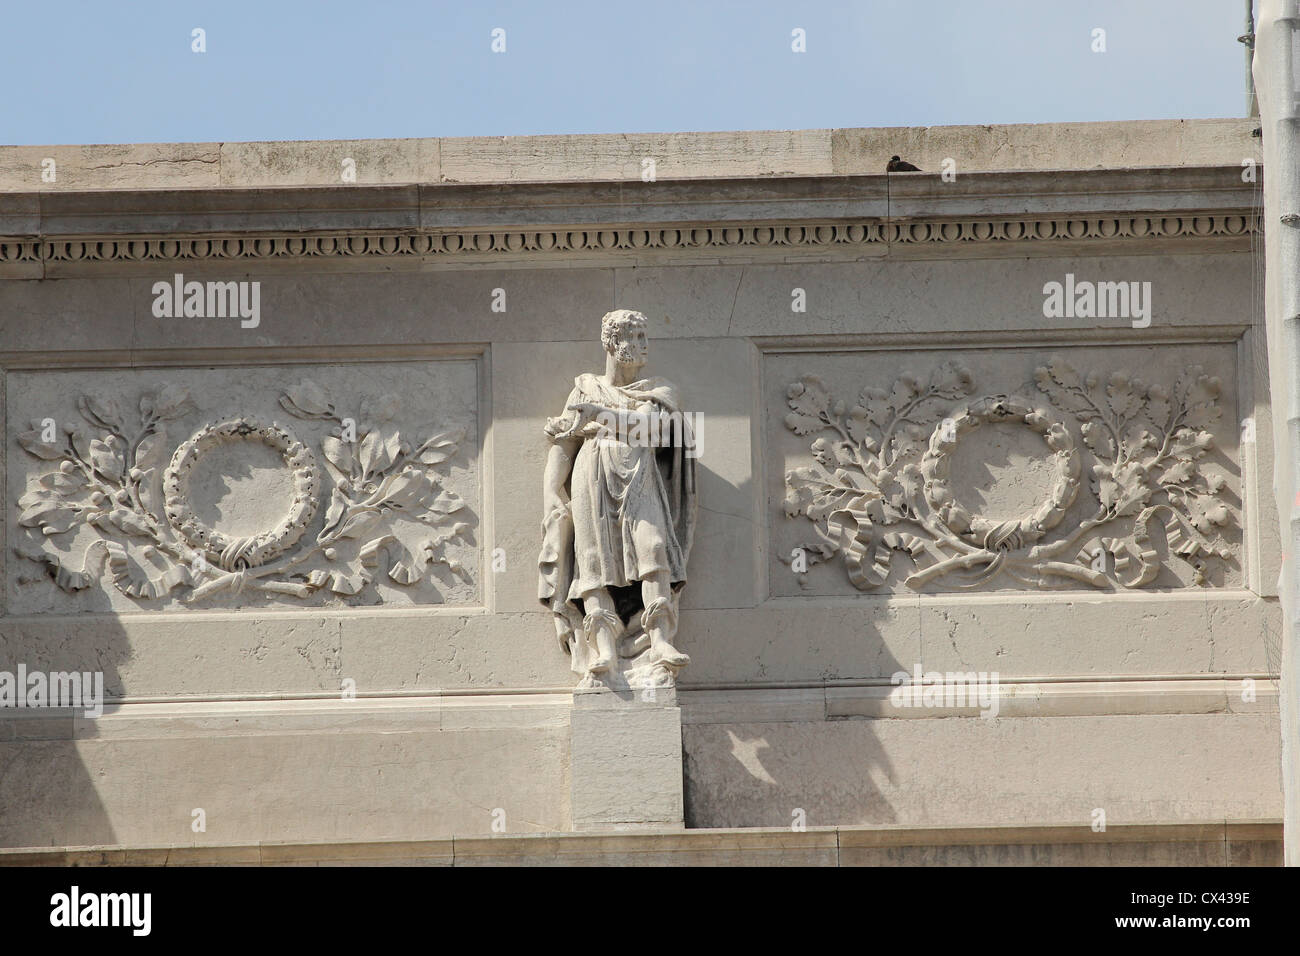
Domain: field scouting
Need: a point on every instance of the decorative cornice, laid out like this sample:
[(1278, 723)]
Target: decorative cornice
[(505, 244)]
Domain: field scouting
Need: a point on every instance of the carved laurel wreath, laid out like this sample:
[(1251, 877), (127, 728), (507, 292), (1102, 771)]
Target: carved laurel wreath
[(882, 482), (255, 549), (108, 482), (983, 531)]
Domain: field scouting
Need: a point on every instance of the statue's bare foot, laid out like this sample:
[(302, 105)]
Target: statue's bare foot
[(600, 665), (661, 652)]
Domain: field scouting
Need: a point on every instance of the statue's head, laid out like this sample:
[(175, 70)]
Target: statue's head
[(623, 333)]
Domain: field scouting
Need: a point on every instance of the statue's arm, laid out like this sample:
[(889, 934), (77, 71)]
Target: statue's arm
[(559, 464)]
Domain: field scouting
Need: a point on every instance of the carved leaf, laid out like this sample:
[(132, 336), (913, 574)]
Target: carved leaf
[(1137, 439), (1069, 401), (1190, 444), (307, 400), (1125, 398), (1207, 514), (845, 454), (150, 452), (63, 483), (1158, 407), (338, 453), (1098, 438), (1122, 490), (359, 523), (404, 489), (809, 396), (875, 402), (171, 402), (107, 458), (39, 495), (906, 388), (910, 480), (1063, 373), (31, 441), (53, 515), (338, 503), (408, 570), (378, 450), (1179, 472), (128, 522), (858, 423), (927, 411), (909, 443), (80, 443), (824, 504), (801, 486), (1203, 414), (803, 424), (440, 447), (951, 380), (101, 412), (147, 498), (1197, 393), (1194, 387)]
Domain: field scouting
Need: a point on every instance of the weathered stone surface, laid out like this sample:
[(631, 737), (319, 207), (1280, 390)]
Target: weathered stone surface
[(307, 770), (200, 480), (465, 277), (987, 772), (754, 153), (627, 760)]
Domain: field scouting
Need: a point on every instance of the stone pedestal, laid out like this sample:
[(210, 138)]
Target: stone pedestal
[(626, 760)]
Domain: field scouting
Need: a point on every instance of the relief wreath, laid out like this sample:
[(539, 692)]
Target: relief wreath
[(252, 550), (986, 532), (104, 480), (878, 487)]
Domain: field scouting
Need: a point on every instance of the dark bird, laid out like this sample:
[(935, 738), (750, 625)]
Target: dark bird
[(896, 165)]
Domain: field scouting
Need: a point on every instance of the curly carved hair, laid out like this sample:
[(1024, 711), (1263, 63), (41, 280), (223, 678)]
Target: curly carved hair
[(613, 323)]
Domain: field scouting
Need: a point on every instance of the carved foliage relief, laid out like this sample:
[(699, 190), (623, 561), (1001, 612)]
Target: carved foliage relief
[(1082, 475), (212, 488)]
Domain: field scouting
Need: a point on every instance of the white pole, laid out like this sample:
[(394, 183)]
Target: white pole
[(1248, 38), (1275, 87)]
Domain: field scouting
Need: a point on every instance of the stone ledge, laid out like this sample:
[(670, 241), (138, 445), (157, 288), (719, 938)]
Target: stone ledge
[(1208, 842), (513, 159)]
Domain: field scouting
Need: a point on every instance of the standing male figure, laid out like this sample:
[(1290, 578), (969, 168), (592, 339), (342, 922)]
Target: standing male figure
[(620, 509)]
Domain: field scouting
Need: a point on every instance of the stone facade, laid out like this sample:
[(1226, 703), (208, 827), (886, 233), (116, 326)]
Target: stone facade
[(299, 539)]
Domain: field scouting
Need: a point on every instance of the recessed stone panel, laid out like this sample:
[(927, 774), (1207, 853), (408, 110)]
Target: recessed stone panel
[(299, 486), (1101, 469)]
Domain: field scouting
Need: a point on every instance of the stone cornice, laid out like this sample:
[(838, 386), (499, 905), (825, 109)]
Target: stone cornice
[(1011, 213), (1209, 841)]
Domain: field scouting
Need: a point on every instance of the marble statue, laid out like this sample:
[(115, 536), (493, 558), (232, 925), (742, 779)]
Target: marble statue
[(620, 507)]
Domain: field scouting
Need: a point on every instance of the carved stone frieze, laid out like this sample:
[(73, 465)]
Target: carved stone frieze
[(883, 480), (588, 240), (190, 530)]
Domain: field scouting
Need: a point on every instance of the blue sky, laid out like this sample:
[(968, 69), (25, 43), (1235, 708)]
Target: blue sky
[(108, 71)]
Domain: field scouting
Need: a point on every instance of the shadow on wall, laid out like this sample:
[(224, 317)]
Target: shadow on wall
[(744, 772), (779, 769), (49, 788)]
